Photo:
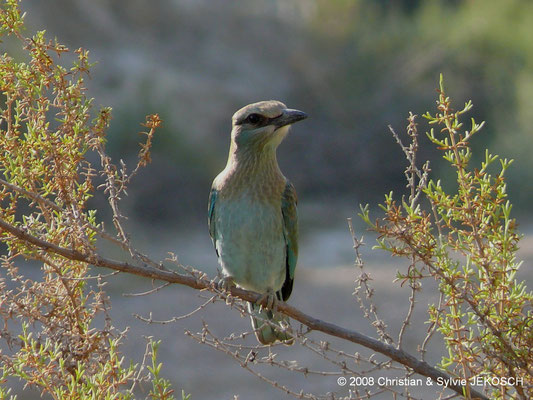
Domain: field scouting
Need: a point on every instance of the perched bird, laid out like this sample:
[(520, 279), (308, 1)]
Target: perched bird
[(252, 214)]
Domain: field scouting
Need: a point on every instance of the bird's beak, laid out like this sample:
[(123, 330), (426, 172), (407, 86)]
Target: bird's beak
[(288, 117)]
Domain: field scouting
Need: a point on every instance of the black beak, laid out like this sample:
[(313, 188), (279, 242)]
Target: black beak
[(288, 117)]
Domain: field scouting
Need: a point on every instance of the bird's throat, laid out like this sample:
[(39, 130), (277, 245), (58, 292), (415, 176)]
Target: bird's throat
[(250, 159), (248, 168)]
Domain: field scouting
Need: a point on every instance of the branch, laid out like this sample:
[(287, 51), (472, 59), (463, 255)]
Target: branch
[(202, 283)]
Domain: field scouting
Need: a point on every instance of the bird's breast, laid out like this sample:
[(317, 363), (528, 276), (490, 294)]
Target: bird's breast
[(250, 241)]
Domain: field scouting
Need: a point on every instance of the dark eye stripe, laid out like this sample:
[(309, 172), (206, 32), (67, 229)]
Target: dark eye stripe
[(254, 119), (257, 120)]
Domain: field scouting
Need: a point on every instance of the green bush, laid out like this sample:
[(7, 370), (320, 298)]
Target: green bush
[(466, 240), (49, 323)]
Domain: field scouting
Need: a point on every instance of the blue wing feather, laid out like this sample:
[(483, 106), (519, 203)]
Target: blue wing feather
[(211, 215), (290, 224)]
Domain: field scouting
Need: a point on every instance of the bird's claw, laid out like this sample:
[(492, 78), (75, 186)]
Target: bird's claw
[(226, 283), (269, 298)]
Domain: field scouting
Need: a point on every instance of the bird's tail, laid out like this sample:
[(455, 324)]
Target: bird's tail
[(269, 326)]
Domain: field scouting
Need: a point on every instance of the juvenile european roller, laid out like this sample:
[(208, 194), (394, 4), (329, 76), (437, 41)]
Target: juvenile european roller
[(252, 214)]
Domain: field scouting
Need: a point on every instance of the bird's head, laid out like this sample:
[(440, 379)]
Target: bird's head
[(264, 124)]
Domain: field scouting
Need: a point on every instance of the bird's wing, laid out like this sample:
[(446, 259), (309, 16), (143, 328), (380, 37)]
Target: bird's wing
[(290, 230), (211, 215)]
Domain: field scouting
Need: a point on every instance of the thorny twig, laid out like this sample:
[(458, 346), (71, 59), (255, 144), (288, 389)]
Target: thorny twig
[(247, 357), (206, 337), (370, 311)]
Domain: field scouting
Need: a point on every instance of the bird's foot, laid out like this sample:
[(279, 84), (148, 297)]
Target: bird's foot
[(269, 298), (226, 283)]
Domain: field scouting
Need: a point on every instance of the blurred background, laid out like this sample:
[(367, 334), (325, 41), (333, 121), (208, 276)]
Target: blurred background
[(354, 66)]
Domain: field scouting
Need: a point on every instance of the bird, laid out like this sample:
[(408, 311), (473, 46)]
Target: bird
[(252, 215)]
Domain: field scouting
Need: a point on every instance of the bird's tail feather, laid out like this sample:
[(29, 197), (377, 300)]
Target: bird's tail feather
[(269, 325)]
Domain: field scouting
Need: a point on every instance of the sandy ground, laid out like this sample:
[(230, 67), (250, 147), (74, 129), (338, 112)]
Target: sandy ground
[(323, 288)]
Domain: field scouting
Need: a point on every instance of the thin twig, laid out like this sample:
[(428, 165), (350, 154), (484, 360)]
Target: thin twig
[(432, 329), (150, 320), (146, 293), (370, 311), (211, 340), (412, 300)]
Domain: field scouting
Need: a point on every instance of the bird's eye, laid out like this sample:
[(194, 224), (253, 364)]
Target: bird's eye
[(254, 118)]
